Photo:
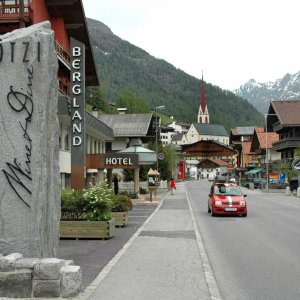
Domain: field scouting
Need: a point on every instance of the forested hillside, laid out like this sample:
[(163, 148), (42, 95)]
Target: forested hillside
[(124, 67)]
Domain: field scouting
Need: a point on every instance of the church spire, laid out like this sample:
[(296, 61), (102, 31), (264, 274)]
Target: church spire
[(203, 115)]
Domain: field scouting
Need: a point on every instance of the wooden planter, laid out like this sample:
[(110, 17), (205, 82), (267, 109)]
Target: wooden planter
[(87, 229), (121, 218)]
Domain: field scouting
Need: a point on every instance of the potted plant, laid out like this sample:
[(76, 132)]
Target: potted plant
[(121, 205), (87, 213)]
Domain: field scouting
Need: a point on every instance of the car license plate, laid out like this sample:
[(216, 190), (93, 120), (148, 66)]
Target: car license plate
[(230, 209)]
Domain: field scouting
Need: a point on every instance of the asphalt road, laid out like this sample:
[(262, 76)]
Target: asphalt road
[(257, 257)]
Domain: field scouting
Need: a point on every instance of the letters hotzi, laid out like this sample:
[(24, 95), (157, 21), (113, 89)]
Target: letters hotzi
[(76, 90)]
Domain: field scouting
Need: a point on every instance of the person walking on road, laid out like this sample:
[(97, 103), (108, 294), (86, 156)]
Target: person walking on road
[(172, 185)]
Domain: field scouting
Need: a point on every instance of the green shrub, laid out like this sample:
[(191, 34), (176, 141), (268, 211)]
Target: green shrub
[(72, 205), (100, 199), (121, 203), (94, 203), (143, 191), (131, 195)]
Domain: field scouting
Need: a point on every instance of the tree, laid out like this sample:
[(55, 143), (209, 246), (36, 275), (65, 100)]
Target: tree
[(133, 103), (96, 97), (297, 152), (286, 168)]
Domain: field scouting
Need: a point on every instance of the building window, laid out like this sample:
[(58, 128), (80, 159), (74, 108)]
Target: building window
[(95, 147), (67, 144)]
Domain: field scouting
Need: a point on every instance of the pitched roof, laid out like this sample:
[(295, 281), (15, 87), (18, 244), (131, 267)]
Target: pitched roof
[(125, 125), (218, 162), (210, 129), (287, 111), (249, 130), (272, 137), (259, 140), (177, 137), (246, 147)]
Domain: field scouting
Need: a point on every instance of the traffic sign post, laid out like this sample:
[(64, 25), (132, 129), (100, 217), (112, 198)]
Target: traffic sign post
[(296, 167), (160, 156)]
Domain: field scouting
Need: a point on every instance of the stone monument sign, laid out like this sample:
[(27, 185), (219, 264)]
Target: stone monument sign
[(29, 143)]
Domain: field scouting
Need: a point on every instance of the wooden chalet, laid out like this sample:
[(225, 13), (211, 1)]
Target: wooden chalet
[(240, 139), (209, 149), (261, 143), (284, 118)]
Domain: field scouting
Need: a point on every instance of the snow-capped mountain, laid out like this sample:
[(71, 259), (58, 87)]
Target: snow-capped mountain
[(260, 94)]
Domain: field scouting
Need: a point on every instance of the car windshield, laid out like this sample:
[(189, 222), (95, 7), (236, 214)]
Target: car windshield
[(227, 190)]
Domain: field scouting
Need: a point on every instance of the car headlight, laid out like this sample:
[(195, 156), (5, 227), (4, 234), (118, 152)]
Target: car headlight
[(218, 203), (242, 203)]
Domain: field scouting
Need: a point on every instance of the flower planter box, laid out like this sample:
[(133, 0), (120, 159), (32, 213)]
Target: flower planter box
[(121, 218), (87, 229)]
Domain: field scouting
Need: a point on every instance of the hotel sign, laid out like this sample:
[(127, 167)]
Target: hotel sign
[(77, 114), (120, 161)]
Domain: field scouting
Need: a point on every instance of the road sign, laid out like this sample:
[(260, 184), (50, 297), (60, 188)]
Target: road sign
[(296, 165), (160, 156)]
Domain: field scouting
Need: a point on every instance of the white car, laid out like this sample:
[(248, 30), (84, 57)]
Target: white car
[(211, 177)]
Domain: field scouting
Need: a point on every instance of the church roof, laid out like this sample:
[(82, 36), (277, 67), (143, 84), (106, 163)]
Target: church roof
[(177, 137), (202, 97), (210, 129)]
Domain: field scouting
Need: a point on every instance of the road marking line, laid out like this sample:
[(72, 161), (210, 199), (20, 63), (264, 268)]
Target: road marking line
[(207, 269)]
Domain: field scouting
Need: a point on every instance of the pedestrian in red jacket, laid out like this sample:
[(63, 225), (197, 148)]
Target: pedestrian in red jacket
[(172, 185)]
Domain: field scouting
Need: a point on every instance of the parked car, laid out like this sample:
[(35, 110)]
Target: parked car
[(211, 177), (293, 183), (226, 198)]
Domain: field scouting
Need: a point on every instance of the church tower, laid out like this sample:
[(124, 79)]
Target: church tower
[(203, 115)]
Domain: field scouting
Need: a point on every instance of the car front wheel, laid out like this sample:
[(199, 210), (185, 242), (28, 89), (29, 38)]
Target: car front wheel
[(212, 212)]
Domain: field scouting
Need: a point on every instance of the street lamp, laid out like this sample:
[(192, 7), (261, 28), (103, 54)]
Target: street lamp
[(156, 133), (267, 156)]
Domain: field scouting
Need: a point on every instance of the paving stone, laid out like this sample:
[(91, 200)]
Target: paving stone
[(71, 279), (15, 284), (47, 268), (46, 288)]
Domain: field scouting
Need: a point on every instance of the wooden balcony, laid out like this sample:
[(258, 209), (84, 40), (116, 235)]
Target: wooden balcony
[(287, 143), (62, 54), (14, 12)]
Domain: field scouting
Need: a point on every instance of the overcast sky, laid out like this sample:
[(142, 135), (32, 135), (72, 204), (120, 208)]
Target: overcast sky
[(232, 41)]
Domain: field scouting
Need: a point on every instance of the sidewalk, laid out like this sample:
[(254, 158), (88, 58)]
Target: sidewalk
[(92, 255), (164, 259)]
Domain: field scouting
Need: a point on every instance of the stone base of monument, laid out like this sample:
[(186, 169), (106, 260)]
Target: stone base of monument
[(38, 277), (87, 229)]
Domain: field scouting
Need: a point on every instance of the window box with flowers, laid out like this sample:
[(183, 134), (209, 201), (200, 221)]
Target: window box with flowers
[(87, 213)]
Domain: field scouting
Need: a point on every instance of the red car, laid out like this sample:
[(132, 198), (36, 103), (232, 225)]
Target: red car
[(225, 199)]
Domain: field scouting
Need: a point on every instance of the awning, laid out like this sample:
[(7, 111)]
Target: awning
[(253, 171), (192, 161)]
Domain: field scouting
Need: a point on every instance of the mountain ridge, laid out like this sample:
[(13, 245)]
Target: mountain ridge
[(261, 94), (122, 66)]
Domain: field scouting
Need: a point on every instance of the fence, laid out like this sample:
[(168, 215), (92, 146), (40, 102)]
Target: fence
[(261, 183), (129, 186)]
